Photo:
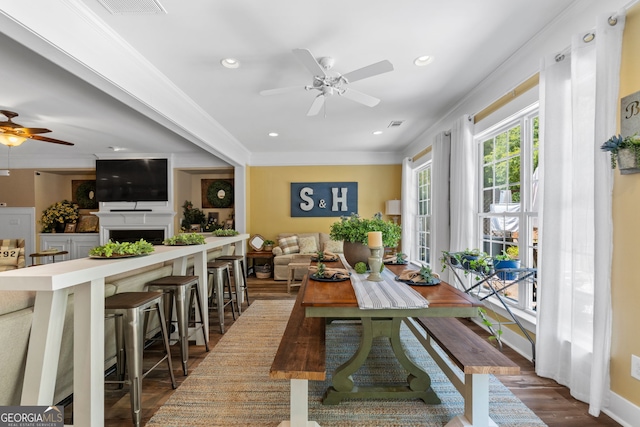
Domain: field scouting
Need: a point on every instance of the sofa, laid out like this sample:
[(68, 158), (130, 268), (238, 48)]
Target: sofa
[(292, 246), (16, 314), (11, 254)]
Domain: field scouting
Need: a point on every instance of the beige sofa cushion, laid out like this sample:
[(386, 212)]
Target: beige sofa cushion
[(289, 245), (308, 245), (334, 246)]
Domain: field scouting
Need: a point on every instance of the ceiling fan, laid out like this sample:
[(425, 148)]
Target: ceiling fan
[(13, 134), (333, 83)]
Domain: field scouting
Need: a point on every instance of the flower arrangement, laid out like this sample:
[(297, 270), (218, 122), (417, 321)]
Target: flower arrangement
[(58, 214), (354, 229), (617, 143)]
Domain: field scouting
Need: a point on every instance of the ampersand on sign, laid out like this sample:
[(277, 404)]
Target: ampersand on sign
[(322, 204)]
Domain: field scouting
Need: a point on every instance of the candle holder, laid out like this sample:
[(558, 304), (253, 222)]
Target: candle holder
[(375, 264)]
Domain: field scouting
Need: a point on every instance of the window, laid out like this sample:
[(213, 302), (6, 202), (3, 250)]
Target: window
[(423, 228), (508, 185)]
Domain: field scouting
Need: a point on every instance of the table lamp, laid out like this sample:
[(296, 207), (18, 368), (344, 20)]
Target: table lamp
[(393, 208)]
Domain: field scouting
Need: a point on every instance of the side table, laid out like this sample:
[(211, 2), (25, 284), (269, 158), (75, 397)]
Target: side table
[(45, 254), (262, 255)]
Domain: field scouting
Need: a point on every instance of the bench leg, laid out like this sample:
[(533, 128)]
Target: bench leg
[(476, 403), (299, 401)]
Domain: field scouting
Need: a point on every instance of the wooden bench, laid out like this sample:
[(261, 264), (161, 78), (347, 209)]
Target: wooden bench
[(475, 357), (301, 357)]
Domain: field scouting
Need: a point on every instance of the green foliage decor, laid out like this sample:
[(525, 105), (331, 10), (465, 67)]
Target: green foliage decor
[(617, 143), (191, 216), (115, 249), (355, 229), (220, 194), (58, 213), (184, 239), (360, 268), (225, 233)]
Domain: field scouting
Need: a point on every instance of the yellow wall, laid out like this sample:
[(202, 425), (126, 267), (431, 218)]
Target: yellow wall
[(269, 204), (626, 235)]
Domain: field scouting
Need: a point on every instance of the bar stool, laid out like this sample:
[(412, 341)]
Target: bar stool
[(181, 290), (218, 275), (128, 308), (297, 263), (239, 277)]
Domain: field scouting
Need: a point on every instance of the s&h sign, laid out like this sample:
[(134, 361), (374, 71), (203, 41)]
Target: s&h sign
[(311, 199)]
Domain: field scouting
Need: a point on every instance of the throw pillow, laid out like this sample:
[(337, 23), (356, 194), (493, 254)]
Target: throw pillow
[(334, 246), (307, 245), (289, 245), (9, 256)]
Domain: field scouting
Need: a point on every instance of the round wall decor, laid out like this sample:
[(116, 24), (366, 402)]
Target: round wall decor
[(86, 195), (220, 194)]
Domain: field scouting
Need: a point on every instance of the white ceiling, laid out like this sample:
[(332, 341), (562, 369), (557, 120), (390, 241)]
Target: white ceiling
[(468, 38)]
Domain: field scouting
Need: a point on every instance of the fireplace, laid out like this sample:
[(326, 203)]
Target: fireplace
[(155, 237), (127, 226)]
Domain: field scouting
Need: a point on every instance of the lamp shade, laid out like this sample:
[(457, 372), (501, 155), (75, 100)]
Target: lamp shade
[(393, 207), (11, 140)]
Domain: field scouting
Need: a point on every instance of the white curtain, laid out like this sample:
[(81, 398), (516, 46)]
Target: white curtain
[(409, 207), (578, 104), (463, 186), (440, 237)]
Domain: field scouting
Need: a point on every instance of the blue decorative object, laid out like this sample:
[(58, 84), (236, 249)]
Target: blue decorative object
[(323, 199)]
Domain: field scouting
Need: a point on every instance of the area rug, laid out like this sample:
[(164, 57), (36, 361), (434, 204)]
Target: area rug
[(231, 386)]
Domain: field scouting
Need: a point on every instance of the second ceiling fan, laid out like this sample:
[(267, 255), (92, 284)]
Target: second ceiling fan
[(333, 83)]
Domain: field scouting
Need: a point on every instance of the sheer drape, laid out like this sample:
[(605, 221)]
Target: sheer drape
[(441, 154), (409, 207), (578, 99), (463, 186)]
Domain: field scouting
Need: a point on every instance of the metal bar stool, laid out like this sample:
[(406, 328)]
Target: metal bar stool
[(128, 308), (219, 274), (239, 277), (181, 290)]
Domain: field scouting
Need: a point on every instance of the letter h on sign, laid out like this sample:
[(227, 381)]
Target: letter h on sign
[(314, 199)]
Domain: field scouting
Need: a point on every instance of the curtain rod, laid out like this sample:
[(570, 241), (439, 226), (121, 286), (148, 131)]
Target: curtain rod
[(523, 87)]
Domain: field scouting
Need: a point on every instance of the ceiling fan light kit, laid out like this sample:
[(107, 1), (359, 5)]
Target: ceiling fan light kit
[(13, 134), (334, 83)]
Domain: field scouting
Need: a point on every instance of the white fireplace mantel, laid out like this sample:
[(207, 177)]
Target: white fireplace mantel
[(132, 220)]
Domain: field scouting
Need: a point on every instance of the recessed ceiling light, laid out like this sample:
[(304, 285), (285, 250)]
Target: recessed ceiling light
[(421, 61), (273, 134), (230, 63), (377, 132), (117, 148)]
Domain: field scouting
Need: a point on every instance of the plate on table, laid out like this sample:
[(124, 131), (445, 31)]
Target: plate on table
[(328, 279), (396, 263), (412, 283), (315, 259), (115, 256)]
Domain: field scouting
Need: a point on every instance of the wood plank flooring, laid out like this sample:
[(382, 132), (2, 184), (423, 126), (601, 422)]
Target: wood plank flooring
[(550, 401)]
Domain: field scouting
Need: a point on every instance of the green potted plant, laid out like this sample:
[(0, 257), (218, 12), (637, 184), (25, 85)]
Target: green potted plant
[(625, 152), (57, 215), (506, 261), (468, 260), (268, 245), (353, 231), (192, 216)]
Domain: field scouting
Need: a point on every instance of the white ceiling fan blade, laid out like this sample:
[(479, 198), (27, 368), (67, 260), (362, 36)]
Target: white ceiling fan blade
[(306, 57), (316, 106), (369, 71), (280, 90), (360, 97)]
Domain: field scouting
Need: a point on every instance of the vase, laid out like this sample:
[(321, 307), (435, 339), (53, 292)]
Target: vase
[(59, 228), (510, 263), (355, 252)]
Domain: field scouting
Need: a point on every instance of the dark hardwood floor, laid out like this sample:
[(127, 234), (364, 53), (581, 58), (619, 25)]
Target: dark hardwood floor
[(550, 401)]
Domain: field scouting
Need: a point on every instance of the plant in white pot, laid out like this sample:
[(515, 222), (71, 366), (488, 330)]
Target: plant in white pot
[(353, 231)]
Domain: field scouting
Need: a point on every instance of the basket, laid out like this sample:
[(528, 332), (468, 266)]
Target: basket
[(263, 271)]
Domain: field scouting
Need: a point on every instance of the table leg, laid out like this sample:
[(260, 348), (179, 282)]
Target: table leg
[(418, 382)]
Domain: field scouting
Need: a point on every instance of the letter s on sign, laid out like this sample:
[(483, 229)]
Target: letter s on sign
[(307, 205)]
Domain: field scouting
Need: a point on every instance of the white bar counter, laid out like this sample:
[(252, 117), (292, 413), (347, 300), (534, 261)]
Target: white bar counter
[(86, 278)]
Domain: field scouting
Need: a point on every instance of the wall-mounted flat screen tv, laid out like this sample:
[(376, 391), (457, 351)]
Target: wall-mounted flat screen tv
[(132, 180)]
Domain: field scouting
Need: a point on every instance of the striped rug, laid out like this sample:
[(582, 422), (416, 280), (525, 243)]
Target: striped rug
[(231, 387)]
